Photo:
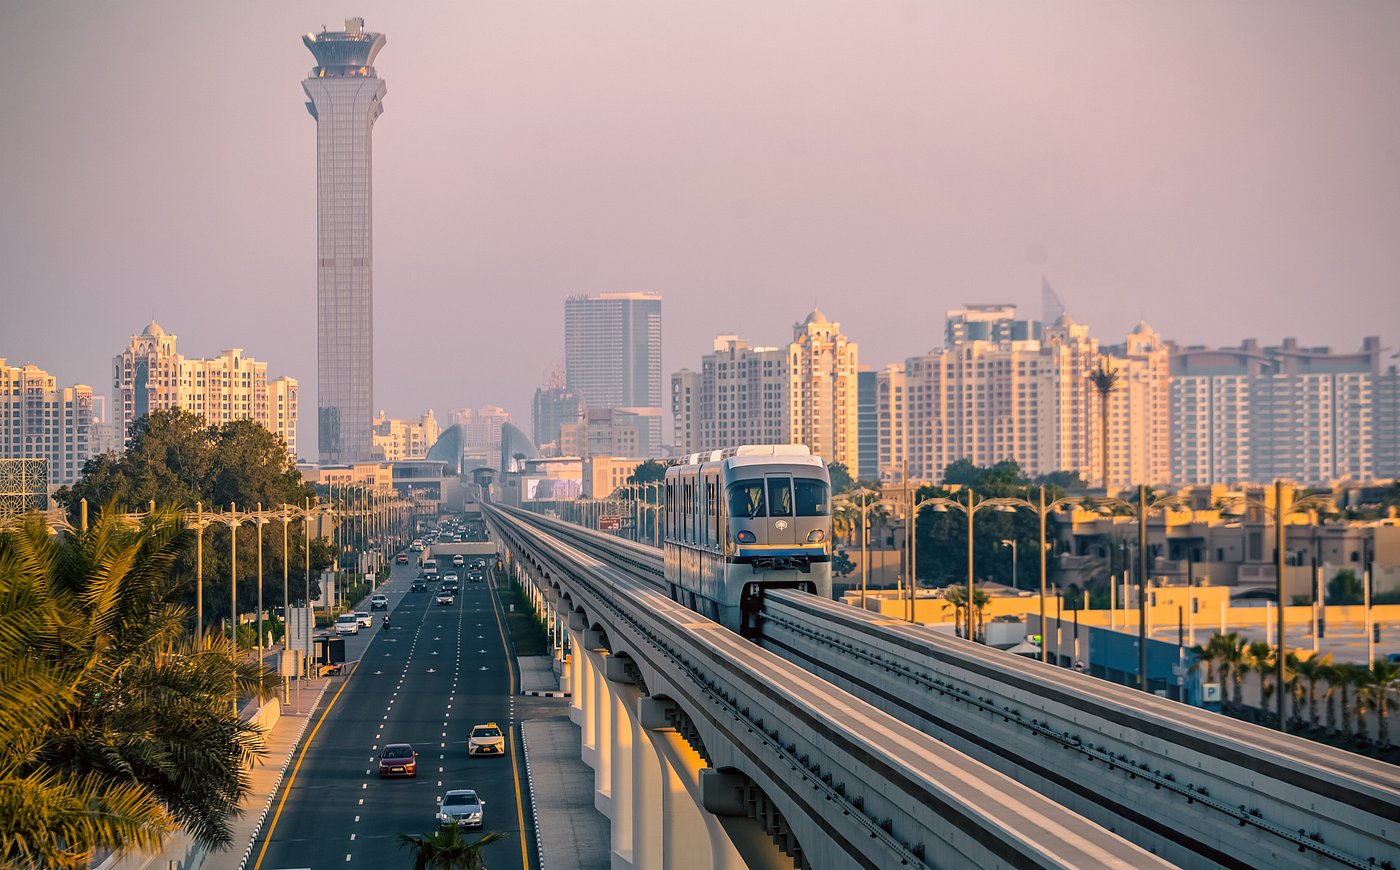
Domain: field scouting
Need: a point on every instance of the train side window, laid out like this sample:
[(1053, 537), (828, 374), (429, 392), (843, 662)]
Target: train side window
[(746, 499), (779, 497), (813, 498)]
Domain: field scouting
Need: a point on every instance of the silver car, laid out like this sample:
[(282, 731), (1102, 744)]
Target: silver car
[(461, 807)]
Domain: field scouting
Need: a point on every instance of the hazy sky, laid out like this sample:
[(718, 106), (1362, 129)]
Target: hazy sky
[(1221, 170)]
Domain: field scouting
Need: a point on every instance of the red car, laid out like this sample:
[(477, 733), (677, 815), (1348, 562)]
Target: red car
[(398, 759)]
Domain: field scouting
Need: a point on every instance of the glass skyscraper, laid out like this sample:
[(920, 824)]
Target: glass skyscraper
[(345, 97), (612, 356)]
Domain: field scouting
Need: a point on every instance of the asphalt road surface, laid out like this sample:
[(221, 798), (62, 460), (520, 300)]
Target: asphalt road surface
[(440, 670)]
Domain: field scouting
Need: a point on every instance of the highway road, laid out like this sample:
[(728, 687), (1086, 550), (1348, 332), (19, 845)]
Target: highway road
[(440, 670)]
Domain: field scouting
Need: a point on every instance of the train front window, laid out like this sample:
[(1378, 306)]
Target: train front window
[(813, 498), (746, 499), (779, 497)]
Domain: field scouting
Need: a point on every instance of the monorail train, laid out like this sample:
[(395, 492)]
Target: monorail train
[(742, 519)]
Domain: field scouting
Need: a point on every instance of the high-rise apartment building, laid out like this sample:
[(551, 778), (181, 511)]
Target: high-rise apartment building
[(867, 382), (151, 375), (38, 420), (823, 394), (739, 396), (396, 440), (1387, 425), (1256, 414), (685, 411), (553, 406), (1139, 413), (603, 432), (1025, 399), (481, 428), (612, 356), (345, 97)]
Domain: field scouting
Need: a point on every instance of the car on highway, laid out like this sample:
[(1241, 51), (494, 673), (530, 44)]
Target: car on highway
[(365, 620), (486, 739), (458, 561), (347, 623), (450, 577), (475, 576), (401, 558), (461, 807), (398, 759), (379, 601), (418, 586), (444, 598), (452, 587)]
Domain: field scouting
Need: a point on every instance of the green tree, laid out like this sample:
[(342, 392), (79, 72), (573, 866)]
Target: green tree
[(1345, 588), (175, 459), (1068, 481), (956, 595), (115, 729), (841, 480), (445, 849), (1232, 656), (650, 471), (842, 564)]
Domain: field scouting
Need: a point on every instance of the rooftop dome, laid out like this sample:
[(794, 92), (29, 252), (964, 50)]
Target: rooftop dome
[(815, 317), (153, 329)]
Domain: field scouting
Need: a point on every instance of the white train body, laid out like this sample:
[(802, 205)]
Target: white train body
[(742, 519)]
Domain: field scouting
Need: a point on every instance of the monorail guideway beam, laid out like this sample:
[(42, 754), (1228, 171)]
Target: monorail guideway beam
[(823, 780)]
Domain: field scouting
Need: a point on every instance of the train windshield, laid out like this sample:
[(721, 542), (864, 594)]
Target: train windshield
[(746, 499), (812, 498), (779, 496)]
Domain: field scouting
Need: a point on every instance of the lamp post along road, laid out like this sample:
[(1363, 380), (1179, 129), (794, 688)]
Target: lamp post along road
[(1284, 504)]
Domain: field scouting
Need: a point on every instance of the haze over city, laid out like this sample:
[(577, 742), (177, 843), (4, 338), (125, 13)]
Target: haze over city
[(1217, 172)]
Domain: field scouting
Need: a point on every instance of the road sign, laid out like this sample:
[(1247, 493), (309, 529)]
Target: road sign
[(1079, 665), (609, 524)]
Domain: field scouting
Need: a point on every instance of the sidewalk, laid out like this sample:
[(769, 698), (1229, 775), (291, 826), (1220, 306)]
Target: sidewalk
[(537, 677), (571, 833)]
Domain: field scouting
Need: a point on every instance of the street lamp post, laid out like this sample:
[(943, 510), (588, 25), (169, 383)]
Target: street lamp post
[(1011, 542), (1142, 508), (1283, 505), (969, 509), (865, 504)]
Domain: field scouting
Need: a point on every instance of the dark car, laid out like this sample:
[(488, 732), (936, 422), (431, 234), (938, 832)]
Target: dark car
[(398, 759), (418, 586)]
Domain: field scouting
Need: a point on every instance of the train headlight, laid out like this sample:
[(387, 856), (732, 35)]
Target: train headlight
[(745, 537), (816, 536)]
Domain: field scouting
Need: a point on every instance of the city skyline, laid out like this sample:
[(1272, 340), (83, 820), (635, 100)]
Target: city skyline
[(1247, 191)]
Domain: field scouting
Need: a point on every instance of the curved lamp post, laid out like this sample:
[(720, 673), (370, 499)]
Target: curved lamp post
[(1144, 506), (969, 509), (1041, 509), (1283, 505), (864, 504)]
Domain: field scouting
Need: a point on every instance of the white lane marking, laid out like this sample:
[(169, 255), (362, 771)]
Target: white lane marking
[(362, 802), (357, 818), (352, 836), (347, 856)]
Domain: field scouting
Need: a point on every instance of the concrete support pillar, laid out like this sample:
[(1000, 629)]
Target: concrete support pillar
[(601, 710), (623, 751), (648, 797)]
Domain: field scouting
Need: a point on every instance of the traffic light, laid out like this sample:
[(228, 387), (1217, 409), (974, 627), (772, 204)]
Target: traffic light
[(1195, 605), (1321, 626), (1376, 632)]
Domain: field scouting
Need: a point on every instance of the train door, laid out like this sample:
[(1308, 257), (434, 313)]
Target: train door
[(781, 526)]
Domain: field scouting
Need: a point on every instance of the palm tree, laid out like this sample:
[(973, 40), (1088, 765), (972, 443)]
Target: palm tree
[(956, 595), (115, 728), (843, 522), (1233, 665), (1205, 656), (1105, 382), (1329, 672), (1312, 671), (1260, 659), (444, 849), (1384, 682), (1293, 683), (1346, 677)]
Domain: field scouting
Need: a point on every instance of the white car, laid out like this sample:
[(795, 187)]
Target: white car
[(379, 601), (486, 739), (366, 621), (347, 623), (450, 577)]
